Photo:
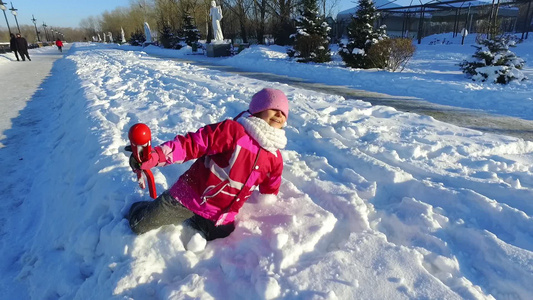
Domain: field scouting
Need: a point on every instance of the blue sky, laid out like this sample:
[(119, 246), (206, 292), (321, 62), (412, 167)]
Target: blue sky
[(68, 13), (58, 13)]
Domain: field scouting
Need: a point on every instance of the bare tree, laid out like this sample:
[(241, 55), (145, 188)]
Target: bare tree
[(260, 18), (282, 11), (328, 6), (248, 19), (241, 9), (168, 13), (90, 26), (113, 21)]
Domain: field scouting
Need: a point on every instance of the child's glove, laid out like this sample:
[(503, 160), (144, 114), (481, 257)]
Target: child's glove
[(134, 164), (156, 157)]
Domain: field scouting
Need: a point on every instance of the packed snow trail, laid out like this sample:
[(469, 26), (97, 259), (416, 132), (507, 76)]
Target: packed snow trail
[(29, 75), (374, 204)]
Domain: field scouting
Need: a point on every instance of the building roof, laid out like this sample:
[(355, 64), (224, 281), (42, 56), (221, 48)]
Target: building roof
[(377, 3), (430, 5)]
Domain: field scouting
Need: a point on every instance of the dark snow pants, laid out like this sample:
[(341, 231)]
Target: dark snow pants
[(16, 54), (24, 53), (147, 215)]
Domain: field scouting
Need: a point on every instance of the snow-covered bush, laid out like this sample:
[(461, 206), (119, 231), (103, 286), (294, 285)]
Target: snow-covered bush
[(494, 62), (361, 36), (391, 54), (311, 41)]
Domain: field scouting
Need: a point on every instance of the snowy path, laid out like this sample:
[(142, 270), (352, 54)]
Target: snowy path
[(375, 203), (20, 81)]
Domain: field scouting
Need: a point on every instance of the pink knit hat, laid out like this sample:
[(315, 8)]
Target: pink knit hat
[(268, 98)]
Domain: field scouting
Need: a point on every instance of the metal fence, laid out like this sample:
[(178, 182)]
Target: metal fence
[(433, 17)]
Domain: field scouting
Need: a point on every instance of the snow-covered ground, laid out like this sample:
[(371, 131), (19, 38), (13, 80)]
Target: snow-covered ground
[(433, 74), (374, 204), (19, 81)]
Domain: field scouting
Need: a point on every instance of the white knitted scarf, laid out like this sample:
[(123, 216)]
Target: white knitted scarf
[(270, 138)]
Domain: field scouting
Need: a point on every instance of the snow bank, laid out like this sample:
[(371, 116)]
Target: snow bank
[(374, 204)]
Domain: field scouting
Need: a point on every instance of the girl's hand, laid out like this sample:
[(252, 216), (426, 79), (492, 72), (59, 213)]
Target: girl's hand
[(152, 162), (147, 165)]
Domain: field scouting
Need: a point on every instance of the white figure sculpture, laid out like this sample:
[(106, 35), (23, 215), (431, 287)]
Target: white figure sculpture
[(147, 32), (123, 36), (216, 15)]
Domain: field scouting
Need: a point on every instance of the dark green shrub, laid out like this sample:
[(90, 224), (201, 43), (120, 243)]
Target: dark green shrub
[(137, 38)]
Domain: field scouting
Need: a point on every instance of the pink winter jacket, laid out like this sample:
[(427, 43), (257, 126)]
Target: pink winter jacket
[(230, 165)]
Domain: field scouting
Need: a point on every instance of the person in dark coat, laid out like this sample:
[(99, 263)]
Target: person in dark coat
[(13, 46), (22, 47)]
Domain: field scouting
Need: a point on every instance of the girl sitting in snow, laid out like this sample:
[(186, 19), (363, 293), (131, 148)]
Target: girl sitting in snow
[(233, 158)]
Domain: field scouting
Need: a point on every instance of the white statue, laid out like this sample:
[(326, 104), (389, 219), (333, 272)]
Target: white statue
[(123, 36), (147, 32), (216, 15)]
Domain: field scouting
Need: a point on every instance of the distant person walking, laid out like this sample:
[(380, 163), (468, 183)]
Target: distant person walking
[(13, 46), (22, 47), (59, 45)]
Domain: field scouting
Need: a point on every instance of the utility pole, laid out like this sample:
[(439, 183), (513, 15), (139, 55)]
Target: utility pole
[(45, 32), (3, 8), (465, 32), (421, 25), (14, 12), (527, 22), (35, 24)]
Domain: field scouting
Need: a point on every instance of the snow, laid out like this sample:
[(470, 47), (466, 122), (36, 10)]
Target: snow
[(374, 203), (21, 80), (433, 69)]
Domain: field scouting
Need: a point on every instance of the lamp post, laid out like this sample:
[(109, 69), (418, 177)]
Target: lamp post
[(35, 24), (14, 12), (3, 8), (45, 32)]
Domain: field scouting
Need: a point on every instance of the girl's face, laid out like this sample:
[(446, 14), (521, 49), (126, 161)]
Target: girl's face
[(273, 117)]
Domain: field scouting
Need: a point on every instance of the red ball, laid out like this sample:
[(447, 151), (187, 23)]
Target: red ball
[(140, 134)]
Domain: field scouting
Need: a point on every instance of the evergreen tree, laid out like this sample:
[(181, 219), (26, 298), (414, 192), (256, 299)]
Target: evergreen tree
[(311, 41), (137, 38), (362, 35), (170, 38), (494, 62), (191, 33), (282, 32), (166, 36)]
